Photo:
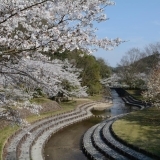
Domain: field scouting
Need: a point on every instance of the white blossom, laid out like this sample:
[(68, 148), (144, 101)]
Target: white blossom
[(45, 25), (152, 93), (28, 28)]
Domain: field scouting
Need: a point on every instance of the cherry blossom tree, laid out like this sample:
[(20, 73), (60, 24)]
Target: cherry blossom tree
[(112, 81), (49, 74), (20, 81), (47, 25), (29, 28), (153, 87)]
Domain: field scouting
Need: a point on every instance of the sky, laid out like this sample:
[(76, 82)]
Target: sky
[(135, 21)]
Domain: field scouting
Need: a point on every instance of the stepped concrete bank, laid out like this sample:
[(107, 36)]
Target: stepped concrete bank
[(100, 142), (28, 143)]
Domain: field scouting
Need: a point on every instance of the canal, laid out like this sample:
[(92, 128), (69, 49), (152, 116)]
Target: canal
[(65, 145)]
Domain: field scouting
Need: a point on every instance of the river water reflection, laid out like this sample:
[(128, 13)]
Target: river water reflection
[(65, 145), (117, 108)]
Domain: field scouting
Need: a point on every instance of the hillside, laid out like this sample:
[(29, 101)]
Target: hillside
[(147, 63), (144, 64)]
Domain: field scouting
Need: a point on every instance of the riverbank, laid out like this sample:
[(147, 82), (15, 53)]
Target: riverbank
[(102, 106), (65, 145), (7, 130), (50, 108)]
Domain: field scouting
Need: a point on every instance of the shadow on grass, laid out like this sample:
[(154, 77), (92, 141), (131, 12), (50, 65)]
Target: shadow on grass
[(142, 129), (146, 117)]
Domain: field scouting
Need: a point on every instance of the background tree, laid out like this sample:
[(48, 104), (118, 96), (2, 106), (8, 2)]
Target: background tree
[(105, 70), (136, 65), (151, 49), (91, 74), (128, 66), (92, 69), (152, 93)]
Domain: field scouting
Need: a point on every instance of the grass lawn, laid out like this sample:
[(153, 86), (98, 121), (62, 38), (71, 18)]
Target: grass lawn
[(141, 128), (97, 97), (65, 106)]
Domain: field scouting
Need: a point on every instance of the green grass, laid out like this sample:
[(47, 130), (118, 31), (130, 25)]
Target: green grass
[(141, 129), (5, 134), (65, 106), (40, 100), (96, 97)]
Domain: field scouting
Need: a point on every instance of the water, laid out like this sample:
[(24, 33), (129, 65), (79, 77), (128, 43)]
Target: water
[(65, 145), (118, 107)]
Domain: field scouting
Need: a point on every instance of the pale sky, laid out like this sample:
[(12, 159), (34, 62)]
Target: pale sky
[(135, 21)]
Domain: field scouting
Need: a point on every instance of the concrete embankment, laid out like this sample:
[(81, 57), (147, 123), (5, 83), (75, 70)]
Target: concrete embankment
[(102, 106), (29, 143)]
